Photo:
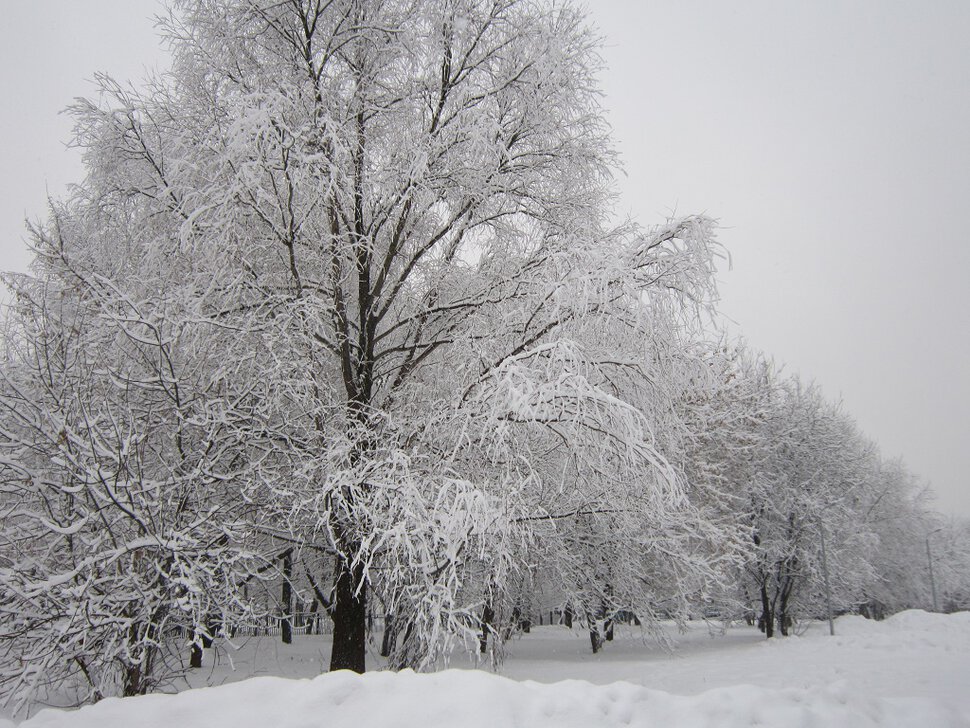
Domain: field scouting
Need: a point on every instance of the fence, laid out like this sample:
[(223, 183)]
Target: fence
[(301, 623)]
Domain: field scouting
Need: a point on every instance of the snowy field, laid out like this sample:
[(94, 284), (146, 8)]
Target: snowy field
[(911, 670)]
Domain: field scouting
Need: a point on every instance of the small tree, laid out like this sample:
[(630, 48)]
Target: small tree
[(117, 480)]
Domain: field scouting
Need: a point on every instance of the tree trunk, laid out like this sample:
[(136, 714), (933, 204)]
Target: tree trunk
[(207, 635), (782, 615), (784, 622), (349, 615), (287, 597), (390, 635), (568, 617), (195, 659), (766, 623), (595, 641), (488, 615), (784, 597)]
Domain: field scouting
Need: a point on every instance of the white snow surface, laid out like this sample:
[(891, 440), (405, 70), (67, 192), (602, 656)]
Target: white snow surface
[(910, 670)]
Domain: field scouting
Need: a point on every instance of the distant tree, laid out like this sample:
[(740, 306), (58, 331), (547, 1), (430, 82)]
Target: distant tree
[(809, 487), (948, 550), (897, 509), (787, 469)]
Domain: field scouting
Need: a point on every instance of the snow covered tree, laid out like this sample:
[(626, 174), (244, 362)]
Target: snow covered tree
[(789, 470), (952, 565), (361, 251), (119, 472), (726, 403), (808, 488), (896, 508)]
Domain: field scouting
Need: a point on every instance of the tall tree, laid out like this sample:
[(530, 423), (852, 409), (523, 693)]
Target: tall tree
[(396, 214)]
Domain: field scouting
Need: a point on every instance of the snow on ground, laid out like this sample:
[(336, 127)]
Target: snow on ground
[(911, 654), (910, 670)]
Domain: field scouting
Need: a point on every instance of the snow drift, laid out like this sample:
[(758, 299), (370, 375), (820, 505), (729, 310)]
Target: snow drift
[(474, 699), (840, 681)]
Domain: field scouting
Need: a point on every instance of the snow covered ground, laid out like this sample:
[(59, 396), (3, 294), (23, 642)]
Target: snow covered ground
[(911, 670)]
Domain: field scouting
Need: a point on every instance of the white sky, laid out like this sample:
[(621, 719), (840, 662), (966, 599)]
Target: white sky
[(831, 138)]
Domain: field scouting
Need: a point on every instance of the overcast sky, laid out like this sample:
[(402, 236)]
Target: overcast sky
[(831, 139)]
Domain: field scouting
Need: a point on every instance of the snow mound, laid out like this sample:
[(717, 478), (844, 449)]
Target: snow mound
[(916, 620), (913, 621), (474, 699), (913, 629)]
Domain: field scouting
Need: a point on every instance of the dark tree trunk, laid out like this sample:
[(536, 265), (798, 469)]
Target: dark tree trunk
[(390, 635), (488, 616), (287, 597), (766, 623), (207, 636), (349, 613), (595, 640), (132, 682), (514, 624), (195, 659), (784, 599), (782, 615), (135, 677), (784, 623), (568, 617), (606, 616)]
